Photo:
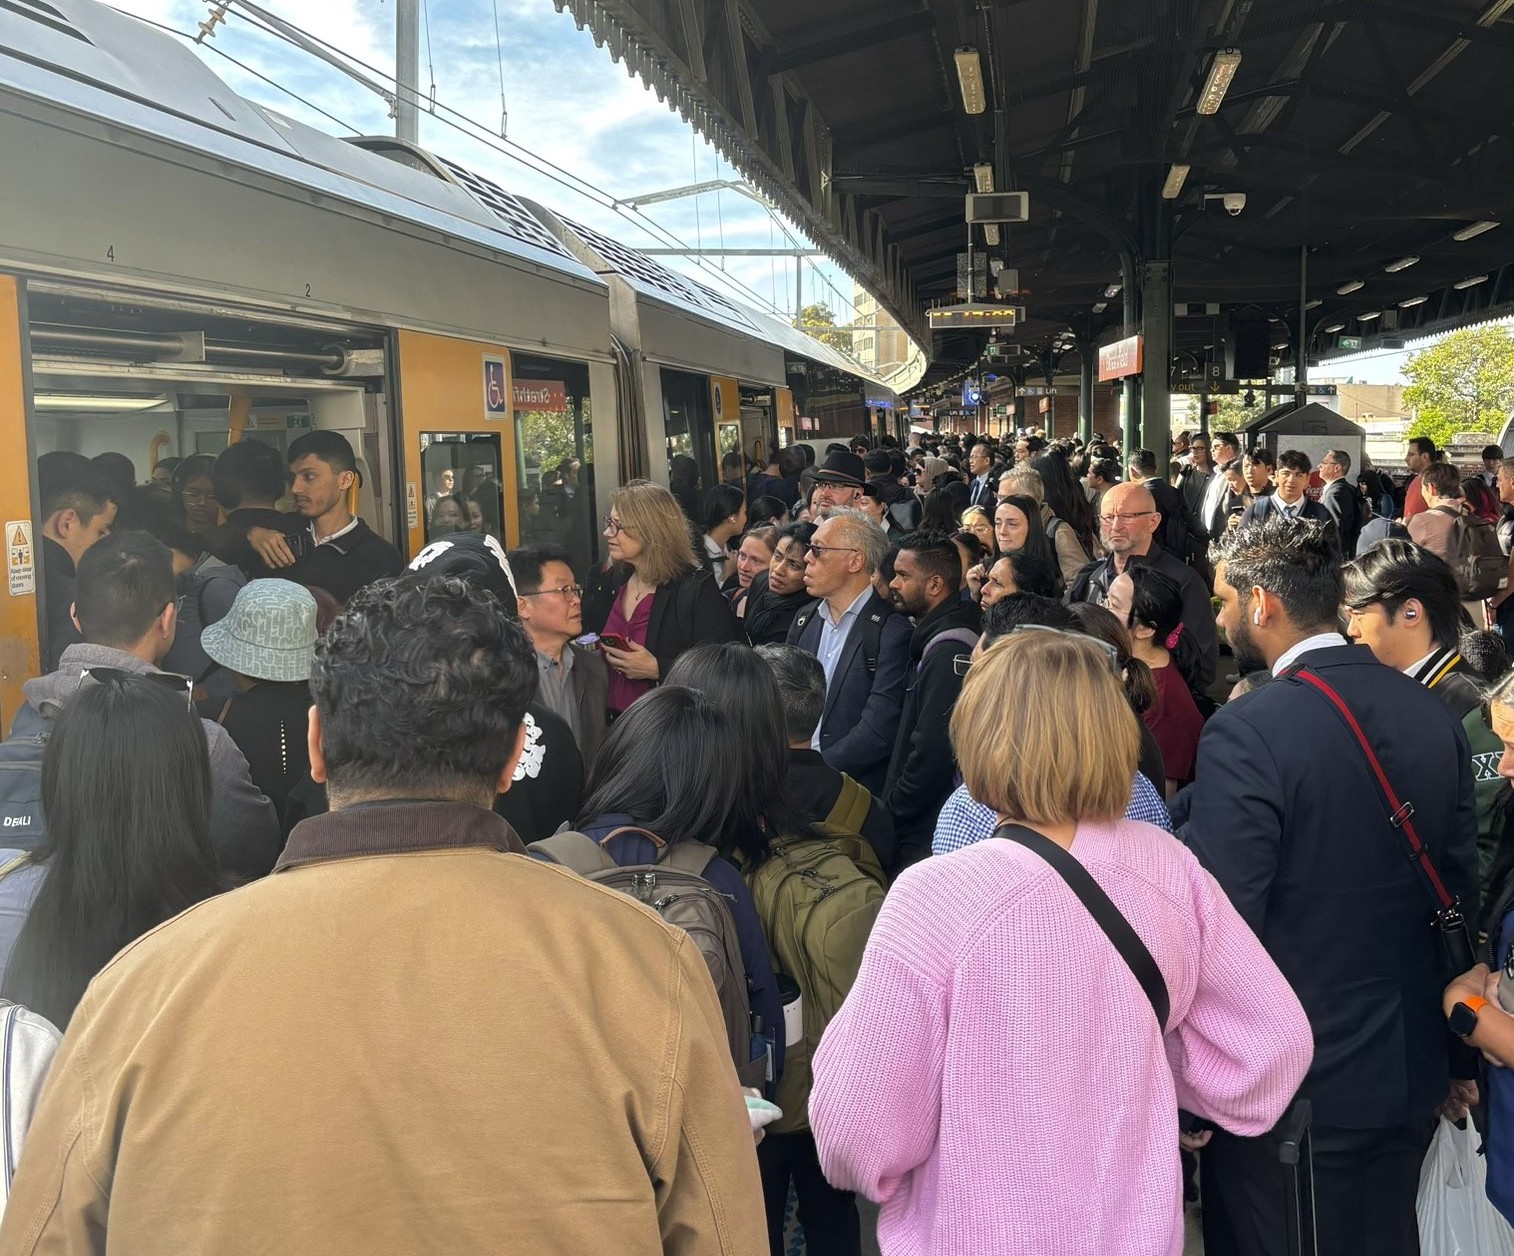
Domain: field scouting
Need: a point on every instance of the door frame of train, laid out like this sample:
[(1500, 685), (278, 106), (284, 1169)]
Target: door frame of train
[(20, 622)]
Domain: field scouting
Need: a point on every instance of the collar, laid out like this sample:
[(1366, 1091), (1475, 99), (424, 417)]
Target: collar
[(1434, 667), (543, 659), (850, 612), (712, 547), (1289, 508), (351, 527), (396, 827), (1320, 641)]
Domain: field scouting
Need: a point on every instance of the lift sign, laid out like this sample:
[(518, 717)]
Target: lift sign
[(20, 558)]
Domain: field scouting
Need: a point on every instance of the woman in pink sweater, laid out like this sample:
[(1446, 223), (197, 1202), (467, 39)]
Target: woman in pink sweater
[(997, 1079)]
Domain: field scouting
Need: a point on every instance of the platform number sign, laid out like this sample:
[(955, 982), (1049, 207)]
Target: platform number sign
[(496, 390), (20, 559)]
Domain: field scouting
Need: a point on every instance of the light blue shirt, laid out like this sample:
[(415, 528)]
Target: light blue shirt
[(833, 639), (964, 820)]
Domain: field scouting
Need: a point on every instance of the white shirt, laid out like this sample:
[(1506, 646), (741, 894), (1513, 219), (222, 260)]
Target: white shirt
[(833, 639), (718, 557), (1320, 641), (340, 532)]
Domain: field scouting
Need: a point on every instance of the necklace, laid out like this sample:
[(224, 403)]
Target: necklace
[(637, 590)]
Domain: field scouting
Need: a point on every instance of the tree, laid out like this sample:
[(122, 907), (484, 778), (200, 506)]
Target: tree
[(1462, 383), (820, 322)]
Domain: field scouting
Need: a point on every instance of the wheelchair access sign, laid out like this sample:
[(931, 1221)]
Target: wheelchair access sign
[(496, 390)]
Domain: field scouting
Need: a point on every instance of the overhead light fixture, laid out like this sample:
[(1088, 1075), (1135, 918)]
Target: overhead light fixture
[(983, 176), (1403, 263), (1334, 327), (1411, 302), (1100, 306), (991, 233), (96, 404), (1314, 304), (1111, 292), (970, 77), (1476, 229), (1346, 289), (1282, 344), (1221, 74), (1368, 315), (1176, 177), (1471, 282)]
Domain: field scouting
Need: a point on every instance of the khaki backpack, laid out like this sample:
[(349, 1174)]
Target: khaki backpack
[(675, 888), (817, 907)]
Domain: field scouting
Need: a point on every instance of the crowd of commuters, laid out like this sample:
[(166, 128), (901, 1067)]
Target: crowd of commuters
[(894, 825)]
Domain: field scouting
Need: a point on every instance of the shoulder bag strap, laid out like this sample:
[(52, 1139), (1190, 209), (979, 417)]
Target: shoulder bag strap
[(1105, 914), (694, 857), (20, 861), (1448, 917)]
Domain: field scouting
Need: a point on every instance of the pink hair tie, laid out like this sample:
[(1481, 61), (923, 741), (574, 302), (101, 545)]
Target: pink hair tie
[(1174, 637)]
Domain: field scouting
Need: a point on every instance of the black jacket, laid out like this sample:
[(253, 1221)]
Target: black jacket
[(686, 612), (1181, 533), (1345, 505), (347, 564), (1092, 585), (922, 772), (769, 615), (59, 580), (1286, 813), (814, 786), (269, 724)]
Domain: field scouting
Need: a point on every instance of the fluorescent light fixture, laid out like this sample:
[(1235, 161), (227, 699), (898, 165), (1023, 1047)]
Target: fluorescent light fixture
[(983, 176), (1282, 344), (1411, 302), (1111, 292), (1476, 229), (1334, 327), (1100, 306), (991, 233), (1470, 282), (1314, 304), (1368, 315), (96, 403), (1346, 289), (970, 77), (1403, 263), (1176, 177), (1221, 74)]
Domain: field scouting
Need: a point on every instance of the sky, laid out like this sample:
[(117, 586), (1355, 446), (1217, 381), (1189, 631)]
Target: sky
[(565, 100)]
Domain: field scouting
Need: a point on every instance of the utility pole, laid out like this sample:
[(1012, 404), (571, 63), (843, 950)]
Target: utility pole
[(799, 292), (407, 70)]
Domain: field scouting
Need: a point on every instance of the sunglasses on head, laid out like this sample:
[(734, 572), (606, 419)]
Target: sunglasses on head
[(168, 680)]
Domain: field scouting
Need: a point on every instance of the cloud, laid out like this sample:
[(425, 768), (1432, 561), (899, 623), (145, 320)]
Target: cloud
[(566, 100)]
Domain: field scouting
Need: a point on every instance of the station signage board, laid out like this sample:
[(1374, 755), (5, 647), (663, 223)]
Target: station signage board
[(543, 396), (973, 315), (1120, 359)]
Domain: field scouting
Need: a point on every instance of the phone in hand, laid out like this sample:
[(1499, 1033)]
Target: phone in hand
[(614, 641)]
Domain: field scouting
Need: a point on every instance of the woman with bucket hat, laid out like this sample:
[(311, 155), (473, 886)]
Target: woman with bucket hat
[(267, 642)]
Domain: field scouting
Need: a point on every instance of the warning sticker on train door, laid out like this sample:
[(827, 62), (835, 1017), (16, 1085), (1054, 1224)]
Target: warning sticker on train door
[(412, 505), (20, 558)]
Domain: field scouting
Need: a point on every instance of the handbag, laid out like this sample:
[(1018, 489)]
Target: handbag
[(1101, 907), (1455, 937)]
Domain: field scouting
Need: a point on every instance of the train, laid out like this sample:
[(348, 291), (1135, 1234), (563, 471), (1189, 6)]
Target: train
[(181, 269)]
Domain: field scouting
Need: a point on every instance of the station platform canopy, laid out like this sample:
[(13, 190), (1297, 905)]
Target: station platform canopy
[(1191, 155)]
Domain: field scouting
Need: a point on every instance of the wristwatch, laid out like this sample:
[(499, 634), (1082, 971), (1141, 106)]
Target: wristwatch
[(1463, 1018)]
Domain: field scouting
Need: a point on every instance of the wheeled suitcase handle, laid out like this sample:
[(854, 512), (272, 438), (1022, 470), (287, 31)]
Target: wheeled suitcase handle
[(1292, 1131)]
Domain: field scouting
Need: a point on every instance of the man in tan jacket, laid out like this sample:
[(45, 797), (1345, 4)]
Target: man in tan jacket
[(412, 1037)]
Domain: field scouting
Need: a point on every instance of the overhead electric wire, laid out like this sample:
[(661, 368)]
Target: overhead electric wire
[(499, 57), (542, 165), (430, 60)]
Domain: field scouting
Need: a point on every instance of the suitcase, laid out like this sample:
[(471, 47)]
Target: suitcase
[(1297, 1158)]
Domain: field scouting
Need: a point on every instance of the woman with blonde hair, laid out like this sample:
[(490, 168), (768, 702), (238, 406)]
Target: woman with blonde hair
[(1026, 1096), (665, 599)]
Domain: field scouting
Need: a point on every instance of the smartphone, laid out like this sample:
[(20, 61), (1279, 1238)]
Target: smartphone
[(614, 641)]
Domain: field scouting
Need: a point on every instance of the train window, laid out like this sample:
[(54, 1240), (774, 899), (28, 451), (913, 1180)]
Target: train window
[(554, 452), (687, 416), (463, 486)]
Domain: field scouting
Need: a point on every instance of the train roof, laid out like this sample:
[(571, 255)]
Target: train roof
[(89, 59)]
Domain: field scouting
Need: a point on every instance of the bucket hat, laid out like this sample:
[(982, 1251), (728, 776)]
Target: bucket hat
[(269, 633)]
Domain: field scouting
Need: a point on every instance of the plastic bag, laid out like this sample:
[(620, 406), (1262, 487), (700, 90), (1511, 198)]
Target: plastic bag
[(1455, 1217)]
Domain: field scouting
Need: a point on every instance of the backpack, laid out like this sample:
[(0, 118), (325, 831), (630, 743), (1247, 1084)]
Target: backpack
[(675, 888), (960, 636), (22, 826), (817, 907), (1477, 558)]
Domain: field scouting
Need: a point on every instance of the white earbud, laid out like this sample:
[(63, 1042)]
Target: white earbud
[(1256, 616)]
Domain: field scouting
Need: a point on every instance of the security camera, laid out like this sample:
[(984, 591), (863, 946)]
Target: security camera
[(1234, 202)]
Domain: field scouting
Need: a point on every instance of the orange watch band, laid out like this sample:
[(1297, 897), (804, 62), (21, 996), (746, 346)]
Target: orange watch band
[(1476, 1003)]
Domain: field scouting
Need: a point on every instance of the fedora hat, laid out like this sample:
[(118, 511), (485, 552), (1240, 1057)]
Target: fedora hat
[(842, 467), (268, 634)]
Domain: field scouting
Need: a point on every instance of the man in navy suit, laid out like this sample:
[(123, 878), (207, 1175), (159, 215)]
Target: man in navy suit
[(862, 645), (980, 466), (1289, 498), (1287, 815), (1342, 499)]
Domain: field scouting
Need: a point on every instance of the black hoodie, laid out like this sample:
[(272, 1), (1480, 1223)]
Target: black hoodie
[(923, 770)]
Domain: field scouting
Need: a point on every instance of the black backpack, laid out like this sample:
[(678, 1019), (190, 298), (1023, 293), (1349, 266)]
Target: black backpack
[(22, 826)]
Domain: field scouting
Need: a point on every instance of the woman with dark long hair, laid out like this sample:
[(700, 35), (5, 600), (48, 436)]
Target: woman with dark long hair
[(1017, 524), (724, 518), (126, 793), (676, 764), (1066, 499), (195, 495), (778, 594)]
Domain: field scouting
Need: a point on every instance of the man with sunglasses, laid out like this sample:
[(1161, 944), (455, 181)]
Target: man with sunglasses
[(1129, 522), (126, 608), (572, 680)]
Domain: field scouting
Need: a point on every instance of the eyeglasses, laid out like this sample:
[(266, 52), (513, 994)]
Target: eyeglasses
[(193, 497), (1103, 647), (833, 549), (118, 676), (570, 591), (613, 526), (1126, 518)]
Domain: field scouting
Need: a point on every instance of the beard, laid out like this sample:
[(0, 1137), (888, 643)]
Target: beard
[(1248, 656)]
